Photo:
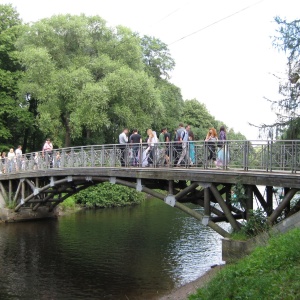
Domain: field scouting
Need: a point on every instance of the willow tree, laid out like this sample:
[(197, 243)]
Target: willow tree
[(86, 77)]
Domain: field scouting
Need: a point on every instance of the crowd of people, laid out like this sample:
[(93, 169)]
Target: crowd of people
[(15, 160), (160, 152)]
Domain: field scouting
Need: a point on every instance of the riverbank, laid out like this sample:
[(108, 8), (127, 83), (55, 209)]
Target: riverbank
[(190, 288)]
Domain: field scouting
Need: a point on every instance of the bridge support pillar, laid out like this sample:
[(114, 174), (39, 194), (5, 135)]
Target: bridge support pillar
[(249, 201), (269, 200), (171, 187), (206, 201), (9, 191)]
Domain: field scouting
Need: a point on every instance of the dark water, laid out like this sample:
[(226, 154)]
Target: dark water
[(138, 252)]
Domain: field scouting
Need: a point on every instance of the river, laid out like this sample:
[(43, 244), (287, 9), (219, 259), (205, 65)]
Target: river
[(138, 252)]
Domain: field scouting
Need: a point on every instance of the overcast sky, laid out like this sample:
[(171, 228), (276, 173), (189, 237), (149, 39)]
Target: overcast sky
[(222, 49)]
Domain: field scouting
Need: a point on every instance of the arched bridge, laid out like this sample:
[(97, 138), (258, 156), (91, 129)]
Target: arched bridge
[(36, 181)]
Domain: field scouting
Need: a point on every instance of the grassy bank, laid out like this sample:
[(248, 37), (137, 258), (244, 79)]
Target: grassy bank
[(271, 272)]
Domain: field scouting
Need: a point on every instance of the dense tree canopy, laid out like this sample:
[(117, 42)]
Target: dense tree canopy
[(14, 115), (78, 81)]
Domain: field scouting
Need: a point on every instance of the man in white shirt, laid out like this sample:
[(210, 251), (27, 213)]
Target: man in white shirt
[(48, 152), (123, 140)]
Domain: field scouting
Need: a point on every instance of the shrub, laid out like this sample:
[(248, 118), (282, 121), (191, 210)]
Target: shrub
[(69, 203), (108, 195)]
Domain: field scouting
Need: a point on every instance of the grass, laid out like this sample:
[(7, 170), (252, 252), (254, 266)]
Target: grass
[(270, 272)]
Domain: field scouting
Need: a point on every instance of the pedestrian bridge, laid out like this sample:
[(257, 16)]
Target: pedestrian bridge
[(34, 181)]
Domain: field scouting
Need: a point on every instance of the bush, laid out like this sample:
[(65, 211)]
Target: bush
[(256, 224), (69, 203), (108, 195), (271, 272)]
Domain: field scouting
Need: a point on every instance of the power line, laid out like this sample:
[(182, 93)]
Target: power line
[(169, 14), (214, 23)]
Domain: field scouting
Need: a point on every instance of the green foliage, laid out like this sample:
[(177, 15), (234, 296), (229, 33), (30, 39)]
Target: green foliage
[(271, 272), (256, 224), (257, 221), (238, 195), (156, 57), (173, 104), (68, 204), (134, 101), (108, 195), (196, 114), (15, 117), (86, 82)]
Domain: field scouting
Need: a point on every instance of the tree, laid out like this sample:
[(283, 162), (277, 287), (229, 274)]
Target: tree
[(173, 104), (15, 118), (196, 114), (73, 63), (287, 108), (156, 57), (134, 101)]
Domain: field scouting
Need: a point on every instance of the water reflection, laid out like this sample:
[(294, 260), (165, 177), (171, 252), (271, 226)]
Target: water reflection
[(123, 253)]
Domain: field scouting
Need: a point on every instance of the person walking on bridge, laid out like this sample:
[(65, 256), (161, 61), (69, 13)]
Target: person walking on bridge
[(18, 153), (11, 159), (183, 139), (47, 152), (136, 141), (123, 141)]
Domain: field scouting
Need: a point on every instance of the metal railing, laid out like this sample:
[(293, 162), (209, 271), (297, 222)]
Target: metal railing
[(282, 155)]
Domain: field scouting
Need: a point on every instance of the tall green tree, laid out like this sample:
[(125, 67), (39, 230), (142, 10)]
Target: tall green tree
[(86, 77), (197, 115), (15, 117), (134, 101), (156, 57), (173, 105)]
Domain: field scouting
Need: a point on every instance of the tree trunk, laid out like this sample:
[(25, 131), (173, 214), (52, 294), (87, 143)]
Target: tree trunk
[(68, 131)]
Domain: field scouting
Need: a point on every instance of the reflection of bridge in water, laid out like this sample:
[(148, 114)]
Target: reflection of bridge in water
[(34, 184)]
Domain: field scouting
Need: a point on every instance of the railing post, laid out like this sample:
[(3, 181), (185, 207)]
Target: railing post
[(102, 156), (271, 156), (72, 157), (245, 156), (83, 163), (92, 157), (294, 157), (63, 158)]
